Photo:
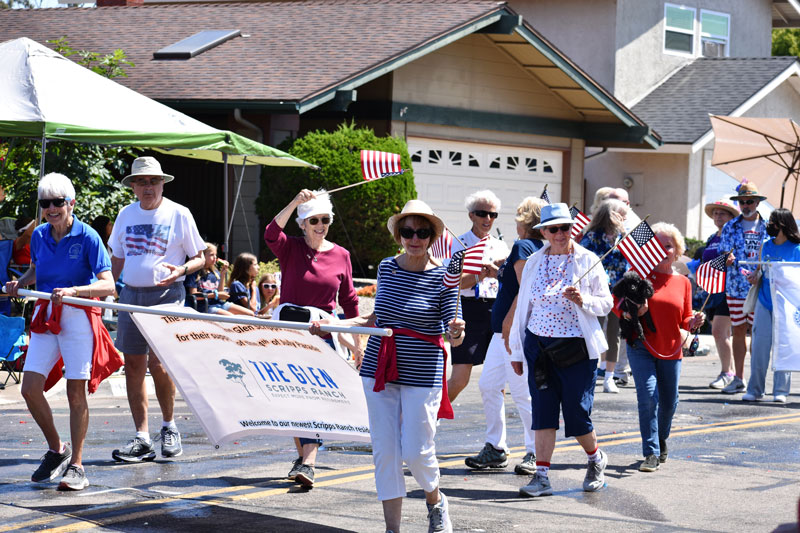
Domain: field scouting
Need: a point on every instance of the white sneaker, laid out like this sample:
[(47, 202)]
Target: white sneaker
[(723, 380), (780, 398), (750, 397), (610, 386)]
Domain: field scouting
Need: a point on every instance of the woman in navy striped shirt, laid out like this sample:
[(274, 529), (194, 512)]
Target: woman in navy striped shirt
[(403, 375)]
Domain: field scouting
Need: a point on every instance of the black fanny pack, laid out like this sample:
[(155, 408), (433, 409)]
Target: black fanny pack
[(295, 313), (565, 351)]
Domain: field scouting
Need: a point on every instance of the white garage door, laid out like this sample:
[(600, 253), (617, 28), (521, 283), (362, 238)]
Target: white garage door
[(445, 172)]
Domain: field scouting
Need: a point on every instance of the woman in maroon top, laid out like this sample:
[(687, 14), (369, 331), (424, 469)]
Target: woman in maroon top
[(313, 271)]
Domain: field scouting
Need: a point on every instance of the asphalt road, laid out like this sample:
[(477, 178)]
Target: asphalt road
[(733, 466)]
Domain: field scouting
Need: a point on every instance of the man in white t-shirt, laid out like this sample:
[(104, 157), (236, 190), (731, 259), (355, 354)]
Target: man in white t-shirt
[(151, 239), (478, 290)]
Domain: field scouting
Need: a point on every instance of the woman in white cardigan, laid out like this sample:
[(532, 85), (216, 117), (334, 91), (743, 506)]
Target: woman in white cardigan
[(561, 341)]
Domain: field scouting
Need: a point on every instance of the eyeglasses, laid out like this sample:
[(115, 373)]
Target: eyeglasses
[(480, 213), (57, 202), (316, 220), (408, 233), (566, 228), (747, 202), (144, 182), (268, 286)]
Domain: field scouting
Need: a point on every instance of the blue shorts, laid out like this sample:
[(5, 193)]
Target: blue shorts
[(570, 390), (216, 308)]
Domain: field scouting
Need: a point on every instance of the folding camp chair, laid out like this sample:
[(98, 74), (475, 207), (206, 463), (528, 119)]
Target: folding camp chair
[(13, 342)]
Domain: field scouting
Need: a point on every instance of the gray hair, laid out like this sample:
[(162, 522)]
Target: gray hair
[(485, 196), (674, 234), (55, 185)]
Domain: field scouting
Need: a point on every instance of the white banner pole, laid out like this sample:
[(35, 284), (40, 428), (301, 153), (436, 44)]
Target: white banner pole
[(194, 315)]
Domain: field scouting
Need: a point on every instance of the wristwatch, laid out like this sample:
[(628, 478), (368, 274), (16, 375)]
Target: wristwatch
[(185, 270)]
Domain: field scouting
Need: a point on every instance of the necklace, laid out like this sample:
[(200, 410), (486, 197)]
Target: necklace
[(561, 271)]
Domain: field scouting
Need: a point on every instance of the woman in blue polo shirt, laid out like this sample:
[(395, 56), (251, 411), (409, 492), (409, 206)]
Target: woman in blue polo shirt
[(68, 258)]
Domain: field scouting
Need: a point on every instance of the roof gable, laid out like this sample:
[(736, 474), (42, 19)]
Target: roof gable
[(678, 109)]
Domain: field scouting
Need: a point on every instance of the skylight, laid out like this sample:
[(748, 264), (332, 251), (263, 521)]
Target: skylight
[(196, 44)]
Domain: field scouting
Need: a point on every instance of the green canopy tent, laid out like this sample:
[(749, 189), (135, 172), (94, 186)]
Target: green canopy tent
[(46, 96)]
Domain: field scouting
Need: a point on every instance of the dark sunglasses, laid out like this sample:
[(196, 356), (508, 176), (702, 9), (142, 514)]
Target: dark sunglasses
[(408, 233), (57, 202), (483, 214), (747, 202), (268, 286), (566, 228), (315, 220)]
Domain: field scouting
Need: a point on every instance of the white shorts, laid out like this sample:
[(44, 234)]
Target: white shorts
[(74, 344)]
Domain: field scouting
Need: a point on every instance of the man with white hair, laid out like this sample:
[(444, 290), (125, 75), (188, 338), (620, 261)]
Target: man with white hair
[(151, 239), (478, 290)]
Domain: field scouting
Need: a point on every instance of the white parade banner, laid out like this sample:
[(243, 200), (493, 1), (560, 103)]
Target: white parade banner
[(245, 380), (784, 280)]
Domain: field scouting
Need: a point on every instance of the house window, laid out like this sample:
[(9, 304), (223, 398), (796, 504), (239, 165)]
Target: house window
[(714, 33), (679, 29)]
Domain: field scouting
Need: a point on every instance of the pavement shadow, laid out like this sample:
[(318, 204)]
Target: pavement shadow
[(188, 517)]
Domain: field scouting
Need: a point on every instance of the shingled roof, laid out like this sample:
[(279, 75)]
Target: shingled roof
[(678, 109), (288, 51)]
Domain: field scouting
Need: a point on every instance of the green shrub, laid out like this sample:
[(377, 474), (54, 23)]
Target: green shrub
[(360, 213), (692, 245)]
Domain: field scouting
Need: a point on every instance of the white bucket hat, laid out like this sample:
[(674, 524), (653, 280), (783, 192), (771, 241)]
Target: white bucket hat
[(145, 166), (321, 205)]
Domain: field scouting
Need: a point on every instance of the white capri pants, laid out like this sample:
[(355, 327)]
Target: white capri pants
[(496, 373), (74, 344), (402, 425)]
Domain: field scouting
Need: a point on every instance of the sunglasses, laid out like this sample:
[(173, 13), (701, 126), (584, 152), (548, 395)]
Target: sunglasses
[(316, 220), (408, 233), (566, 228), (268, 286), (747, 202), (480, 213), (57, 202)]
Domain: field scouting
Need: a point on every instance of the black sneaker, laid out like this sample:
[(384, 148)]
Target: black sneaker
[(295, 468), (53, 465), (662, 457), (489, 457), (136, 451), (170, 443), (74, 479), (305, 476)]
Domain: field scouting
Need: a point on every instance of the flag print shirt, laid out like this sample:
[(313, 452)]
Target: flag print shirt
[(733, 238)]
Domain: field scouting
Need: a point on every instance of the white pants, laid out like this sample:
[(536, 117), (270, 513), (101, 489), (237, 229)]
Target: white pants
[(402, 424), (74, 344), (497, 372)]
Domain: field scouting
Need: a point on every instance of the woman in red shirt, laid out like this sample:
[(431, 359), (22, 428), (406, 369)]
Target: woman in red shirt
[(656, 359)]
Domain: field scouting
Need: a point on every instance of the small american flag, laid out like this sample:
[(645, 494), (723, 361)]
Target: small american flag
[(376, 165), (580, 221), (545, 196), (469, 261), (442, 247), (711, 275), (642, 250)]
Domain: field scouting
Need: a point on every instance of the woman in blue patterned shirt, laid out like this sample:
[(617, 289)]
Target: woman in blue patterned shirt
[(606, 227), (403, 375)]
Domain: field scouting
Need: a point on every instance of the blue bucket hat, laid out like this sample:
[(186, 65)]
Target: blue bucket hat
[(553, 215)]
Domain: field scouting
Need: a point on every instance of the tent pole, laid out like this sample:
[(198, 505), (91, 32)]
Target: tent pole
[(41, 175), (225, 203), (236, 199)]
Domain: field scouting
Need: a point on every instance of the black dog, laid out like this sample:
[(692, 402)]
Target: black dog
[(632, 291)]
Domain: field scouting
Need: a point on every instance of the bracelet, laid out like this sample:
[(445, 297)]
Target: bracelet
[(477, 279), (185, 270), (216, 294)]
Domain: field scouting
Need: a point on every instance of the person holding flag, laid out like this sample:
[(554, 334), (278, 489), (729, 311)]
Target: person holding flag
[(478, 290), (783, 245), (555, 329), (655, 359), (717, 310), (404, 375)]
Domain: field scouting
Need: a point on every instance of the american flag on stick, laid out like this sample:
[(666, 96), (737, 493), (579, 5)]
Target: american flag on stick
[(711, 275), (642, 250), (580, 221), (442, 248), (376, 165), (469, 261), (545, 196)]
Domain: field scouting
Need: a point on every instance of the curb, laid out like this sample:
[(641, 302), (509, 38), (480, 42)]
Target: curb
[(113, 386)]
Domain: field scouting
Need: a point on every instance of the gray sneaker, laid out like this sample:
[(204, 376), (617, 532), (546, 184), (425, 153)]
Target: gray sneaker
[(489, 457), (74, 479), (722, 381), (595, 473), (170, 443), (136, 451), (735, 386), (650, 464), (439, 516), (295, 468), (305, 476), (528, 465), (53, 465), (539, 486)]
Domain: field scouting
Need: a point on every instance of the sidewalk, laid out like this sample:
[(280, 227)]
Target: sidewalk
[(114, 386)]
